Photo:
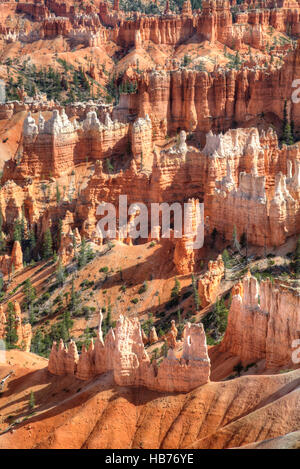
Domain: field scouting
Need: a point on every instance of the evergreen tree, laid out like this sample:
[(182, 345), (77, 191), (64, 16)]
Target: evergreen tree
[(297, 259), (29, 293), (2, 242), (47, 246), (179, 317), (164, 349), (293, 130), (89, 253), (108, 317), (287, 136), (17, 235), (237, 59), (58, 194), (175, 292), (226, 258), (221, 313), (67, 323), (11, 337), (59, 234), (31, 401), (196, 293), (32, 241), (31, 315), (60, 274), (73, 303), (109, 166), (82, 257), (37, 343)]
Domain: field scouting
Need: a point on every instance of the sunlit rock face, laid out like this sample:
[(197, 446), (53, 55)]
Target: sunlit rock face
[(124, 354), (263, 322)]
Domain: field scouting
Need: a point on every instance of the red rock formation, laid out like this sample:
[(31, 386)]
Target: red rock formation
[(192, 100), (37, 10), (2, 323), (123, 352), (16, 257), (235, 175), (53, 147), (263, 323), (159, 30), (53, 27), (24, 331), (208, 285), (152, 336)]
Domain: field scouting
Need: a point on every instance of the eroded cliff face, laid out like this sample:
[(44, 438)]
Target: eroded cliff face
[(123, 353), (192, 100), (52, 148), (243, 178), (214, 22), (263, 322)]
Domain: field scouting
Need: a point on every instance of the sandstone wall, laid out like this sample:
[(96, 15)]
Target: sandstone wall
[(263, 322), (124, 354), (220, 100), (243, 178)]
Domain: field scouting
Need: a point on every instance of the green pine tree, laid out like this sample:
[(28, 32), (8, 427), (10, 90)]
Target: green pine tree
[(297, 259), (221, 313), (82, 256), (60, 274), (29, 293), (175, 292), (11, 337), (47, 245), (196, 293), (58, 194), (31, 401), (287, 136), (226, 258)]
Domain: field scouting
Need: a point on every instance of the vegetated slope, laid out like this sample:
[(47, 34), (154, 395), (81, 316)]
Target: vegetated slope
[(70, 413)]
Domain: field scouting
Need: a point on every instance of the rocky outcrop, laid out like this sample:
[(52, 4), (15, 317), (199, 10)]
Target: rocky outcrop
[(13, 263), (243, 178), (124, 354), (54, 147), (16, 257), (53, 27), (2, 322), (208, 285), (69, 239), (23, 331), (202, 101), (159, 30), (263, 322)]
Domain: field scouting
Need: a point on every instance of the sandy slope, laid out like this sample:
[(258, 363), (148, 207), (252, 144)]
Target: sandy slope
[(97, 414)]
